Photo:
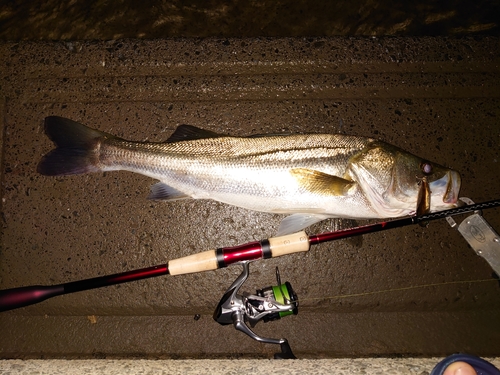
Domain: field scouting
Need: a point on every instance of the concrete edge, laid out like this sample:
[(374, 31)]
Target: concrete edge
[(340, 366)]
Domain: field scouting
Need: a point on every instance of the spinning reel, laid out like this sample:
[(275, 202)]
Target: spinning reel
[(270, 303)]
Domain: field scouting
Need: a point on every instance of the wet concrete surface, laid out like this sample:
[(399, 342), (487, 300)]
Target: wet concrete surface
[(416, 291)]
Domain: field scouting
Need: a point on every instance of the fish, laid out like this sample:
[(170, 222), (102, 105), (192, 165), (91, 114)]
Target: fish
[(309, 177)]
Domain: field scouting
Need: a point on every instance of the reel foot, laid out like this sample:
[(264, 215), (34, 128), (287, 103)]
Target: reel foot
[(286, 352)]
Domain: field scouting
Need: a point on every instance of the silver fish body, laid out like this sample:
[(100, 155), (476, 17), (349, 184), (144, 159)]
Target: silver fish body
[(311, 176)]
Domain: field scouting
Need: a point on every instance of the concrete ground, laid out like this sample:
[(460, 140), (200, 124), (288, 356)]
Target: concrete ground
[(410, 292), (415, 290)]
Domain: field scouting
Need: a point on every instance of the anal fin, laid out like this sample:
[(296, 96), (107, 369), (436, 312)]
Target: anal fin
[(162, 191)]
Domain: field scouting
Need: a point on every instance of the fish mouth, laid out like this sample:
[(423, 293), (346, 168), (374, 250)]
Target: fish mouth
[(448, 186)]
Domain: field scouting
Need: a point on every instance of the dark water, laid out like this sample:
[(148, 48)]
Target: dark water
[(70, 20)]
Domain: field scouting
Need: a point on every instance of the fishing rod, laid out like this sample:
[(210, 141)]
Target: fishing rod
[(270, 303)]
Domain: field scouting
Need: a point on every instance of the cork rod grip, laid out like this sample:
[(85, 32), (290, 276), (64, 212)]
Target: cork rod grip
[(289, 244), (205, 261)]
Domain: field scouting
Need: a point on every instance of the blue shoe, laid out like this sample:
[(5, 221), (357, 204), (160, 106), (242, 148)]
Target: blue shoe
[(481, 366)]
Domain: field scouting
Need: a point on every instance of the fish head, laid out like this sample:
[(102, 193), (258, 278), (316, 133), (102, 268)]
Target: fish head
[(393, 181)]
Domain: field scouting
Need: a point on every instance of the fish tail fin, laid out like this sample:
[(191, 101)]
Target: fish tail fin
[(77, 148)]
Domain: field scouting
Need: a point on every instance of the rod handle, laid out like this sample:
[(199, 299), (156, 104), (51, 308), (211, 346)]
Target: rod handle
[(199, 262), (27, 295), (223, 257), (289, 244)]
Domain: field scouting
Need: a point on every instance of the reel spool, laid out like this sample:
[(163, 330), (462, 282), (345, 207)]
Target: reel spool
[(282, 294)]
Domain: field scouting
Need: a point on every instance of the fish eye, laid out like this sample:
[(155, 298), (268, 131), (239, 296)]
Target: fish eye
[(426, 167)]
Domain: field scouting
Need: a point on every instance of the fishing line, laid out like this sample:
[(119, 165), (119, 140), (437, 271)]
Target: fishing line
[(364, 294)]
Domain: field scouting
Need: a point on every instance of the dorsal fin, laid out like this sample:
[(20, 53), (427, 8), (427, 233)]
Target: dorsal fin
[(190, 133)]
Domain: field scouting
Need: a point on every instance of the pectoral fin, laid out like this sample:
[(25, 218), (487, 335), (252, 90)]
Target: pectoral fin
[(161, 191), (297, 222), (321, 183)]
